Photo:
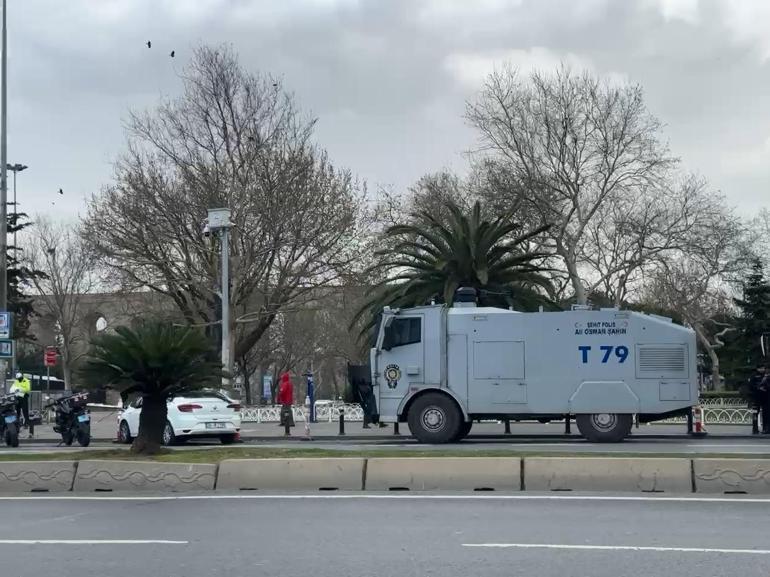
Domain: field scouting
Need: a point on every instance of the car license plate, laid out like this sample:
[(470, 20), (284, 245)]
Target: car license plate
[(84, 418), (216, 425), (10, 419)]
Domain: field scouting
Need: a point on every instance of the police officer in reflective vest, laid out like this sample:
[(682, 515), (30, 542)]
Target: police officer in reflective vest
[(21, 388)]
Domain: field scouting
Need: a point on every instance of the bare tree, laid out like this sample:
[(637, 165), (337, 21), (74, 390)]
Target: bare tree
[(236, 140), (568, 145), (60, 252), (697, 282), (632, 234)]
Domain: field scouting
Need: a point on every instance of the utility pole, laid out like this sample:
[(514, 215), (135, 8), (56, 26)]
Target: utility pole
[(219, 221), (15, 168), (4, 171), (4, 178)]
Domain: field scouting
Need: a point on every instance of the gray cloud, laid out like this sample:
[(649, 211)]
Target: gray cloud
[(387, 78)]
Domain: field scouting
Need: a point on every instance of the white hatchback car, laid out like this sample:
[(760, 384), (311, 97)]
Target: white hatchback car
[(197, 414)]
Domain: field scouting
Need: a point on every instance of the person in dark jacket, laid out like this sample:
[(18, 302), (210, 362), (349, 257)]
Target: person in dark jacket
[(759, 384), (368, 404), (285, 398)]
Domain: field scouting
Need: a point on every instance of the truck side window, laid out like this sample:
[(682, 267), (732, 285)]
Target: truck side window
[(402, 332)]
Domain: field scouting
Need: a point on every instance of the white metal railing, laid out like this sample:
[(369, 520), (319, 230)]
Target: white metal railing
[(323, 412), (729, 412)]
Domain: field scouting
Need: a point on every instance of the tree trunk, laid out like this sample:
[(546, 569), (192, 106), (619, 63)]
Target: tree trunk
[(247, 386), (716, 377), (152, 421)]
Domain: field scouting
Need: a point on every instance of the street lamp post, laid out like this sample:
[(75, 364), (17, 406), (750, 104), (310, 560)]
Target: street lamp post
[(15, 168), (219, 221), (4, 178)]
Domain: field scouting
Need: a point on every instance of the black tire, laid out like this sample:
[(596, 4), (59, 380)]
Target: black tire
[(12, 435), (124, 433), (465, 428), (434, 418), (604, 427), (67, 436), (227, 439), (84, 435), (169, 438)]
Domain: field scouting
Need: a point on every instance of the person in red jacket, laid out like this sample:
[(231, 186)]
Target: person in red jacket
[(285, 398)]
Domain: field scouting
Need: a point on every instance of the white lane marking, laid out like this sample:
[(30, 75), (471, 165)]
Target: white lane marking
[(399, 496), (90, 542), (617, 548)]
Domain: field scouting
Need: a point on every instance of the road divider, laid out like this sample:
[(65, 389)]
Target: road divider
[(740, 476), (313, 474), (508, 474), (651, 475), (444, 474), (143, 476), (34, 476)]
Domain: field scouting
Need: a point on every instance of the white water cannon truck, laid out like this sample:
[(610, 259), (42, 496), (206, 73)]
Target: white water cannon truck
[(441, 368)]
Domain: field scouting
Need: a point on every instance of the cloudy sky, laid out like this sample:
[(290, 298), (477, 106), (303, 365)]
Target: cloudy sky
[(387, 79)]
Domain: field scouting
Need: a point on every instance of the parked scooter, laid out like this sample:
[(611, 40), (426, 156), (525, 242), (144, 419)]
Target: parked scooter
[(72, 419), (9, 421)]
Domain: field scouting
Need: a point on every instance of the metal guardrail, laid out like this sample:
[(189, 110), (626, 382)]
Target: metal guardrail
[(725, 411)]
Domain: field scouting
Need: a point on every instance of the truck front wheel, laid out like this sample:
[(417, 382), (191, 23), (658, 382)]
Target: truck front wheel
[(434, 418), (604, 427)]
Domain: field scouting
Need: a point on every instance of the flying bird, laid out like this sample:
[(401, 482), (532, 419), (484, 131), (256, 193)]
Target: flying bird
[(61, 191), (149, 44), (275, 85), (172, 53)]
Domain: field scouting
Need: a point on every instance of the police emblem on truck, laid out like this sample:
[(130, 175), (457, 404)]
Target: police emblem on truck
[(392, 375)]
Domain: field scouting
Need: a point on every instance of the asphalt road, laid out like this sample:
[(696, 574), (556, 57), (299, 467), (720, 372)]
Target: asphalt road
[(385, 535)]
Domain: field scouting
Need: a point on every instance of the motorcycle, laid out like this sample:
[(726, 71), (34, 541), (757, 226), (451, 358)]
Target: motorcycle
[(72, 419), (9, 421)]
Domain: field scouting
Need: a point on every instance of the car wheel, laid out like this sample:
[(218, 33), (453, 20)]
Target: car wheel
[(434, 418), (227, 439), (124, 433), (604, 427), (168, 435)]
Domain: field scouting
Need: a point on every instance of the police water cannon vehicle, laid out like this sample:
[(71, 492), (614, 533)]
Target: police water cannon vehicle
[(439, 368)]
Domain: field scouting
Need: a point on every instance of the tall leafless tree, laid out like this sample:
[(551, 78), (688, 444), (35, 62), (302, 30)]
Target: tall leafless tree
[(232, 139), (567, 145), (58, 250), (696, 282)]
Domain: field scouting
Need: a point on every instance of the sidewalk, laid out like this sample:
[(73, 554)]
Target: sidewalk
[(104, 428)]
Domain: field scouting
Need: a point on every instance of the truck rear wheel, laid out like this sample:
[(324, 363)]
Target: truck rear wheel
[(604, 427), (434, 418)]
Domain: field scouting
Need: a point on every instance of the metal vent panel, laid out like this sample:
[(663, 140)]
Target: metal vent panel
[(662, 361)]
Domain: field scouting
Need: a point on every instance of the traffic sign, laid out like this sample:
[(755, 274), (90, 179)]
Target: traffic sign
[(6, 348), (5, 325), (50, 357)]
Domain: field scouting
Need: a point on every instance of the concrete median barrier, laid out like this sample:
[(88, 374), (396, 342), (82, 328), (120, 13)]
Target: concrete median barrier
[(29, 476), (444, 474), (751, 476), (607, 474), (345, 474), (143, 476)]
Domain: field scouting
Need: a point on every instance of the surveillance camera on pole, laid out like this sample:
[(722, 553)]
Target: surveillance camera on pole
[(218, 222)]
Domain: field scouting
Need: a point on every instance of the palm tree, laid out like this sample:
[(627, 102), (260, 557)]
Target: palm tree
[(157, 360), (430, 258)]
